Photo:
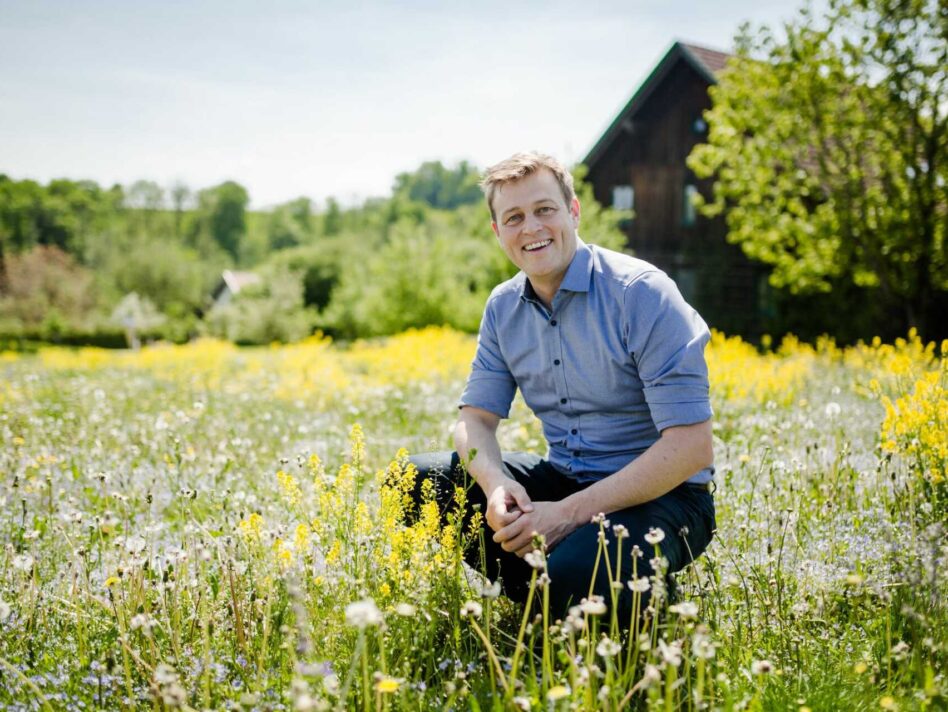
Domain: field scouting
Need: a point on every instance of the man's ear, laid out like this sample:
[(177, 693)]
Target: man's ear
[(574, 209), (493, 226)]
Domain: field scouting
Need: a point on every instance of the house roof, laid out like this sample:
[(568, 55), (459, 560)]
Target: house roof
[(707, 62), (235, 281)]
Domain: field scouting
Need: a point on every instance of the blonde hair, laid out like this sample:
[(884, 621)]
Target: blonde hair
[(519, 166)]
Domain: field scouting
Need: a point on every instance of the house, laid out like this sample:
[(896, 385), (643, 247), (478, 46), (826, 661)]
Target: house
[(230, 284), (639, 164)]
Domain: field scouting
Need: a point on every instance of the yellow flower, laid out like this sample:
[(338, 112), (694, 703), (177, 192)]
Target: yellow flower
[(557, 693), (251, 527), (888, 703), (111, 581), (387, 685)]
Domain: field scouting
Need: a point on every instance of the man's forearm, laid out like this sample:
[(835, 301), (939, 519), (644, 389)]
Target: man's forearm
[(677, 455), (478, 433)]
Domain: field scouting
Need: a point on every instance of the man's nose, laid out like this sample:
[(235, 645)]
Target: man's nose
[(533, 224)]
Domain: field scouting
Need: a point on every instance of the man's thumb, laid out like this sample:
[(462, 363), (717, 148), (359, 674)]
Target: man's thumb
[(523, 501)]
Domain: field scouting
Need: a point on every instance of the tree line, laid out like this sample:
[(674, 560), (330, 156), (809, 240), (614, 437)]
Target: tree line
[(83, 263)]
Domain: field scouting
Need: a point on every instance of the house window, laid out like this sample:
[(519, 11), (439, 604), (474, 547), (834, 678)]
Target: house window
[(623, 197), (689, 211)]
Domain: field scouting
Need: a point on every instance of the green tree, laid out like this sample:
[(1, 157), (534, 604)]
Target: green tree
[(440, 187), (829, 147), (222, 215), (290, 224)]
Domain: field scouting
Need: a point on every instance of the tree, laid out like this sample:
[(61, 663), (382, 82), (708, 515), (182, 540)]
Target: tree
[(290, 224), (440, 187), (829, 147), (43, 289), (222, 215)]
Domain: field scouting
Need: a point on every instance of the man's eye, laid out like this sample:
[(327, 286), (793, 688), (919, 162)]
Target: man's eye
[(545, 210), (512, 219)]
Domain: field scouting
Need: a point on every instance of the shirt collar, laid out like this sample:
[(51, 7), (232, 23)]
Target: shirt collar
[(577, 276)]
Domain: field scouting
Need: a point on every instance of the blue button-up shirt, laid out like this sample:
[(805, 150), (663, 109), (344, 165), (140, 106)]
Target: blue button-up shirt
[(619, 358)]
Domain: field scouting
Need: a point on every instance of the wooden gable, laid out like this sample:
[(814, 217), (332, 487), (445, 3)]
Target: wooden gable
[(645, 148)]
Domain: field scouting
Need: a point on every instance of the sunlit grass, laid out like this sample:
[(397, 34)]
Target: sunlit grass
[(204, 526)]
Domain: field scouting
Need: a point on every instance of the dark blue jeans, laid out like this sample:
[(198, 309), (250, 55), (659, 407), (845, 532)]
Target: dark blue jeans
[(685, 515)]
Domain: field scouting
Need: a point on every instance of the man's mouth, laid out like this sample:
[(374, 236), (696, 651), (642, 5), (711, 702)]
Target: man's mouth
[(539, 245)]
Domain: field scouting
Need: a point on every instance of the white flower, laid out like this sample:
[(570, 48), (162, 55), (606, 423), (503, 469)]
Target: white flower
[(685, 609), (761, 667), (5, 610), (536, 559), (651, 677), (406, 609), (832, 409), (135, 545), (594, 606), (23, 562), (670, 652), (640, 585), (521, 703), (473, 609), (489, 590), (654, 536), (701, 643), (362, 614), (608, 648), (143, 621), (620, 531), (165, 674)]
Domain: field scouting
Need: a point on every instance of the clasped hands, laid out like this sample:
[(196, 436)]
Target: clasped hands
[(515, 519)]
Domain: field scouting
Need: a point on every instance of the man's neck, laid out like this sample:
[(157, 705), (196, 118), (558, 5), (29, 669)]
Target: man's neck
[(545, 292)]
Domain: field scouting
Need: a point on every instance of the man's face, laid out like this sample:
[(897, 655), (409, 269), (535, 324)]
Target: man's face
[(537, 229)]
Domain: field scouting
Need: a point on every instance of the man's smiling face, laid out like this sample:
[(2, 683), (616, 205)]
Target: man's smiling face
[(537, 229)]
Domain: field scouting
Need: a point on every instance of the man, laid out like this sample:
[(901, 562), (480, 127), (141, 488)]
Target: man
[(611, 359)]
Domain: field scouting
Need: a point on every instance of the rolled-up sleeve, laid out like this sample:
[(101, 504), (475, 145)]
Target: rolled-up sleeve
[(666, 339), (490, 386)]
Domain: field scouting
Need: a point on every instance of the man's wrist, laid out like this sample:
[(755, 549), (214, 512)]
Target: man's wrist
[(574, 507)]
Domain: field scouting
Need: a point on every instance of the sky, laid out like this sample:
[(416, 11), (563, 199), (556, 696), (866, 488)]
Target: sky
[(325, 98)]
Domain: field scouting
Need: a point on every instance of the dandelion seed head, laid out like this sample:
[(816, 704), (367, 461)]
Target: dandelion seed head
[(655, 535), (363, 614), (472, 609)]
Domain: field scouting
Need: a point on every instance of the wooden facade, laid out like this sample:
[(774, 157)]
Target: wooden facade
[(644, 149)]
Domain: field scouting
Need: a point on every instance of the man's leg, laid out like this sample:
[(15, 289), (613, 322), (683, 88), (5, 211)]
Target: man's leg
[(685, 515), (538, 477)]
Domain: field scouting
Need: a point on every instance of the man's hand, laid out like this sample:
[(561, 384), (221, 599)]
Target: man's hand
[(505, 503), (548, 519)]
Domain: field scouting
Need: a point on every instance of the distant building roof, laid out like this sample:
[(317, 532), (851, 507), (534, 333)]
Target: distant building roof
[(230, 284), (707, 62), (236, 281)]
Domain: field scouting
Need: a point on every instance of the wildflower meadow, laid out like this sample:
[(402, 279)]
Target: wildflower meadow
[(210, 527)]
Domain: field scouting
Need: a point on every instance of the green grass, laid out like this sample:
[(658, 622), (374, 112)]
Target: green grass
[(127, 582)]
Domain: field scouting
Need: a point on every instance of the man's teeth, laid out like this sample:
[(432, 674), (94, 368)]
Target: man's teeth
[(537, 245)]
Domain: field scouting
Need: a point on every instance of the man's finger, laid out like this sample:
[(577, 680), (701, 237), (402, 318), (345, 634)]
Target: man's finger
[(523, 500), (508, 532)]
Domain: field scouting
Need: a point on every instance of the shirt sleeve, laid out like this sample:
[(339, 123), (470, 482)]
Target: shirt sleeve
[(666, 340), (490, 386)]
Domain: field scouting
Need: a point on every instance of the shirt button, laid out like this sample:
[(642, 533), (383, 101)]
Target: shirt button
[(574, 431), (553, 322), (556, 362), (563, 401)]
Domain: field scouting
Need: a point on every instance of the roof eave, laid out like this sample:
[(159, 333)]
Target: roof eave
[(677, 49)]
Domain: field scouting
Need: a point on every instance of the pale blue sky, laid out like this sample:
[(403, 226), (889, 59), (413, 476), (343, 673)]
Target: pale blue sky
[(324, 98)]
